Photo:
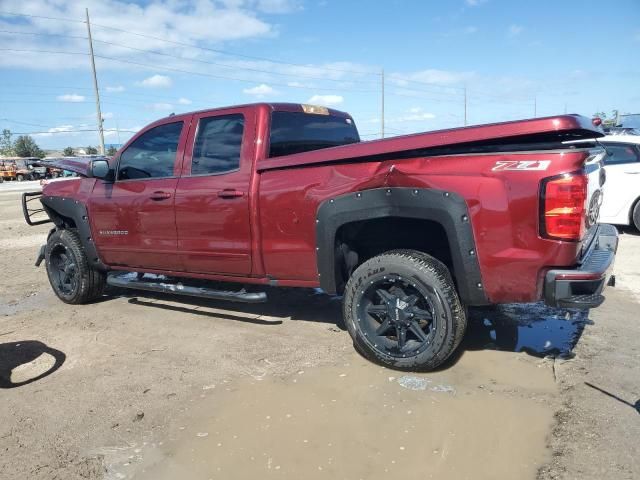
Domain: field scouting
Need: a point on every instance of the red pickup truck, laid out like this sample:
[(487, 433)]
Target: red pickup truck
[(410, 230)]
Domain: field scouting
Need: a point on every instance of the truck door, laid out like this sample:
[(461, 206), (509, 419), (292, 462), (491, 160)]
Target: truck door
[(133, 218), (212, 196)]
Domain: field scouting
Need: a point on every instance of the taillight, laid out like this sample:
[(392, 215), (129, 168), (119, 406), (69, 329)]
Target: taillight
[(563, 207)]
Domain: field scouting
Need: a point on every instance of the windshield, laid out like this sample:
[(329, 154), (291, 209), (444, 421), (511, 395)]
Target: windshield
[(296, 132)]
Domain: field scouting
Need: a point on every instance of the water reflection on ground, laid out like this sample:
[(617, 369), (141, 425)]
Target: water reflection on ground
[(532, 328)]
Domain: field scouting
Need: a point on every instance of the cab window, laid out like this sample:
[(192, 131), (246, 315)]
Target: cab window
[(218, 144), (152, 154)]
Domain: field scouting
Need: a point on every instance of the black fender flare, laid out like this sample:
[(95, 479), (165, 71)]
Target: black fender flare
[(58, 207), (445, 208)]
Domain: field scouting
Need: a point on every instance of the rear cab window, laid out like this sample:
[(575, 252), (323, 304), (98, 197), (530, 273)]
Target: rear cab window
[(218, 145), (297, 132)]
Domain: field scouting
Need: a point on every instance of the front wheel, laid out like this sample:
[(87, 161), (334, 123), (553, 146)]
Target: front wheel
[(72, 278), (402, 311)]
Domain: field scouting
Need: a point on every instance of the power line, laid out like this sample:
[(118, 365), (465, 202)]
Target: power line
[(223, 52), (235, 67), (38, 34), (422, 82), (41, 16), (202, 74), (155, 67), (184, 44), (73, 131), (21, 50), (218, 64)]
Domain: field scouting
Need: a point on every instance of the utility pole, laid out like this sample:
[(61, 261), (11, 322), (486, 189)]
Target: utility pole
[(117, 131), (382, 105), (95, 86), (465, 105)]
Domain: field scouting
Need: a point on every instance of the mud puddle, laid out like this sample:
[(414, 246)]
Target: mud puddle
[(485, 417)]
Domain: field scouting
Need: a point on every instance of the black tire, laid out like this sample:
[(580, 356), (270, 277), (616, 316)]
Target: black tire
[(70, 275), (424, 296), (635, 216), (20, 177)]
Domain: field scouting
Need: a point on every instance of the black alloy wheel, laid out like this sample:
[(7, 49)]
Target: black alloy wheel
[(397, 315)]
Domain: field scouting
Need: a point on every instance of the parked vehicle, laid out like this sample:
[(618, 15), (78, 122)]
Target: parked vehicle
[(7, 170), (621, 204), (408, 230), (29, 169)]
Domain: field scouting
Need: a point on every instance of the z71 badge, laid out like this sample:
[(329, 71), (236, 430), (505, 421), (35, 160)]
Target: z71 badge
[(526, 165)]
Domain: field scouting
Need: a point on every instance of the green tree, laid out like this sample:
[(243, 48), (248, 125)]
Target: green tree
[(68, 152), (111, 151), (26, 146), (91, 150), (6, 145)]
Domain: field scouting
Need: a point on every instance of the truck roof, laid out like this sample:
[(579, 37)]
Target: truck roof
[(488, 137), (273, 106)]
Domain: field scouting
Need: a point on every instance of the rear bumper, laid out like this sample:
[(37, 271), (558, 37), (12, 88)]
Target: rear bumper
[(581, 287)]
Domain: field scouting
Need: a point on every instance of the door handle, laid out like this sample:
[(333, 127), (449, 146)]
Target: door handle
[(230, 193), (633, 173), (160, 195)]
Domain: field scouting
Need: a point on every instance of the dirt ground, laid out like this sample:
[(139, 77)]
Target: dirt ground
[(141, 386)]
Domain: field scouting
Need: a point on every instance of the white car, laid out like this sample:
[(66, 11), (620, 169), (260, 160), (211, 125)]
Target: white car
[(621, 203)]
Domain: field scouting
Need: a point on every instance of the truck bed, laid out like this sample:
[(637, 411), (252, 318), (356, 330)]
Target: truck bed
[(537, 133)]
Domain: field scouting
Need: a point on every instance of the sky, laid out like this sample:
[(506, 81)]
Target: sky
[(514, 59)]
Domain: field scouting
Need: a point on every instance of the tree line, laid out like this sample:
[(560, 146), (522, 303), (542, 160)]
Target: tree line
[(25, 146)]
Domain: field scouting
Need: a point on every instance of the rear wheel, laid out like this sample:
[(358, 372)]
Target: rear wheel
[(402, 310), (636, 215), (70, 275)]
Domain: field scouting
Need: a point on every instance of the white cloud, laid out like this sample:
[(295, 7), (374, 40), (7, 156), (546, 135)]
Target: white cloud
[(184, 101), (515, 30), (431, 75), (474, 3), (156, 81), (260, 91), (200, 22), (70, 97), (159, 107), (415, 114), (470, 30), (115, 89), (326, 100), (277, 6)]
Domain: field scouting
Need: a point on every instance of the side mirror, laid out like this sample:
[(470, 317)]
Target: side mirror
[(100, 169)]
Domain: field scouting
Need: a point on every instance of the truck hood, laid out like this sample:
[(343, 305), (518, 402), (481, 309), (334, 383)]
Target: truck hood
[(80, 166)]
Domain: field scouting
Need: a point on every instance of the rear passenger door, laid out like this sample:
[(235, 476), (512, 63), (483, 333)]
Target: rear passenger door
[(622, 187), (213, 193)]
